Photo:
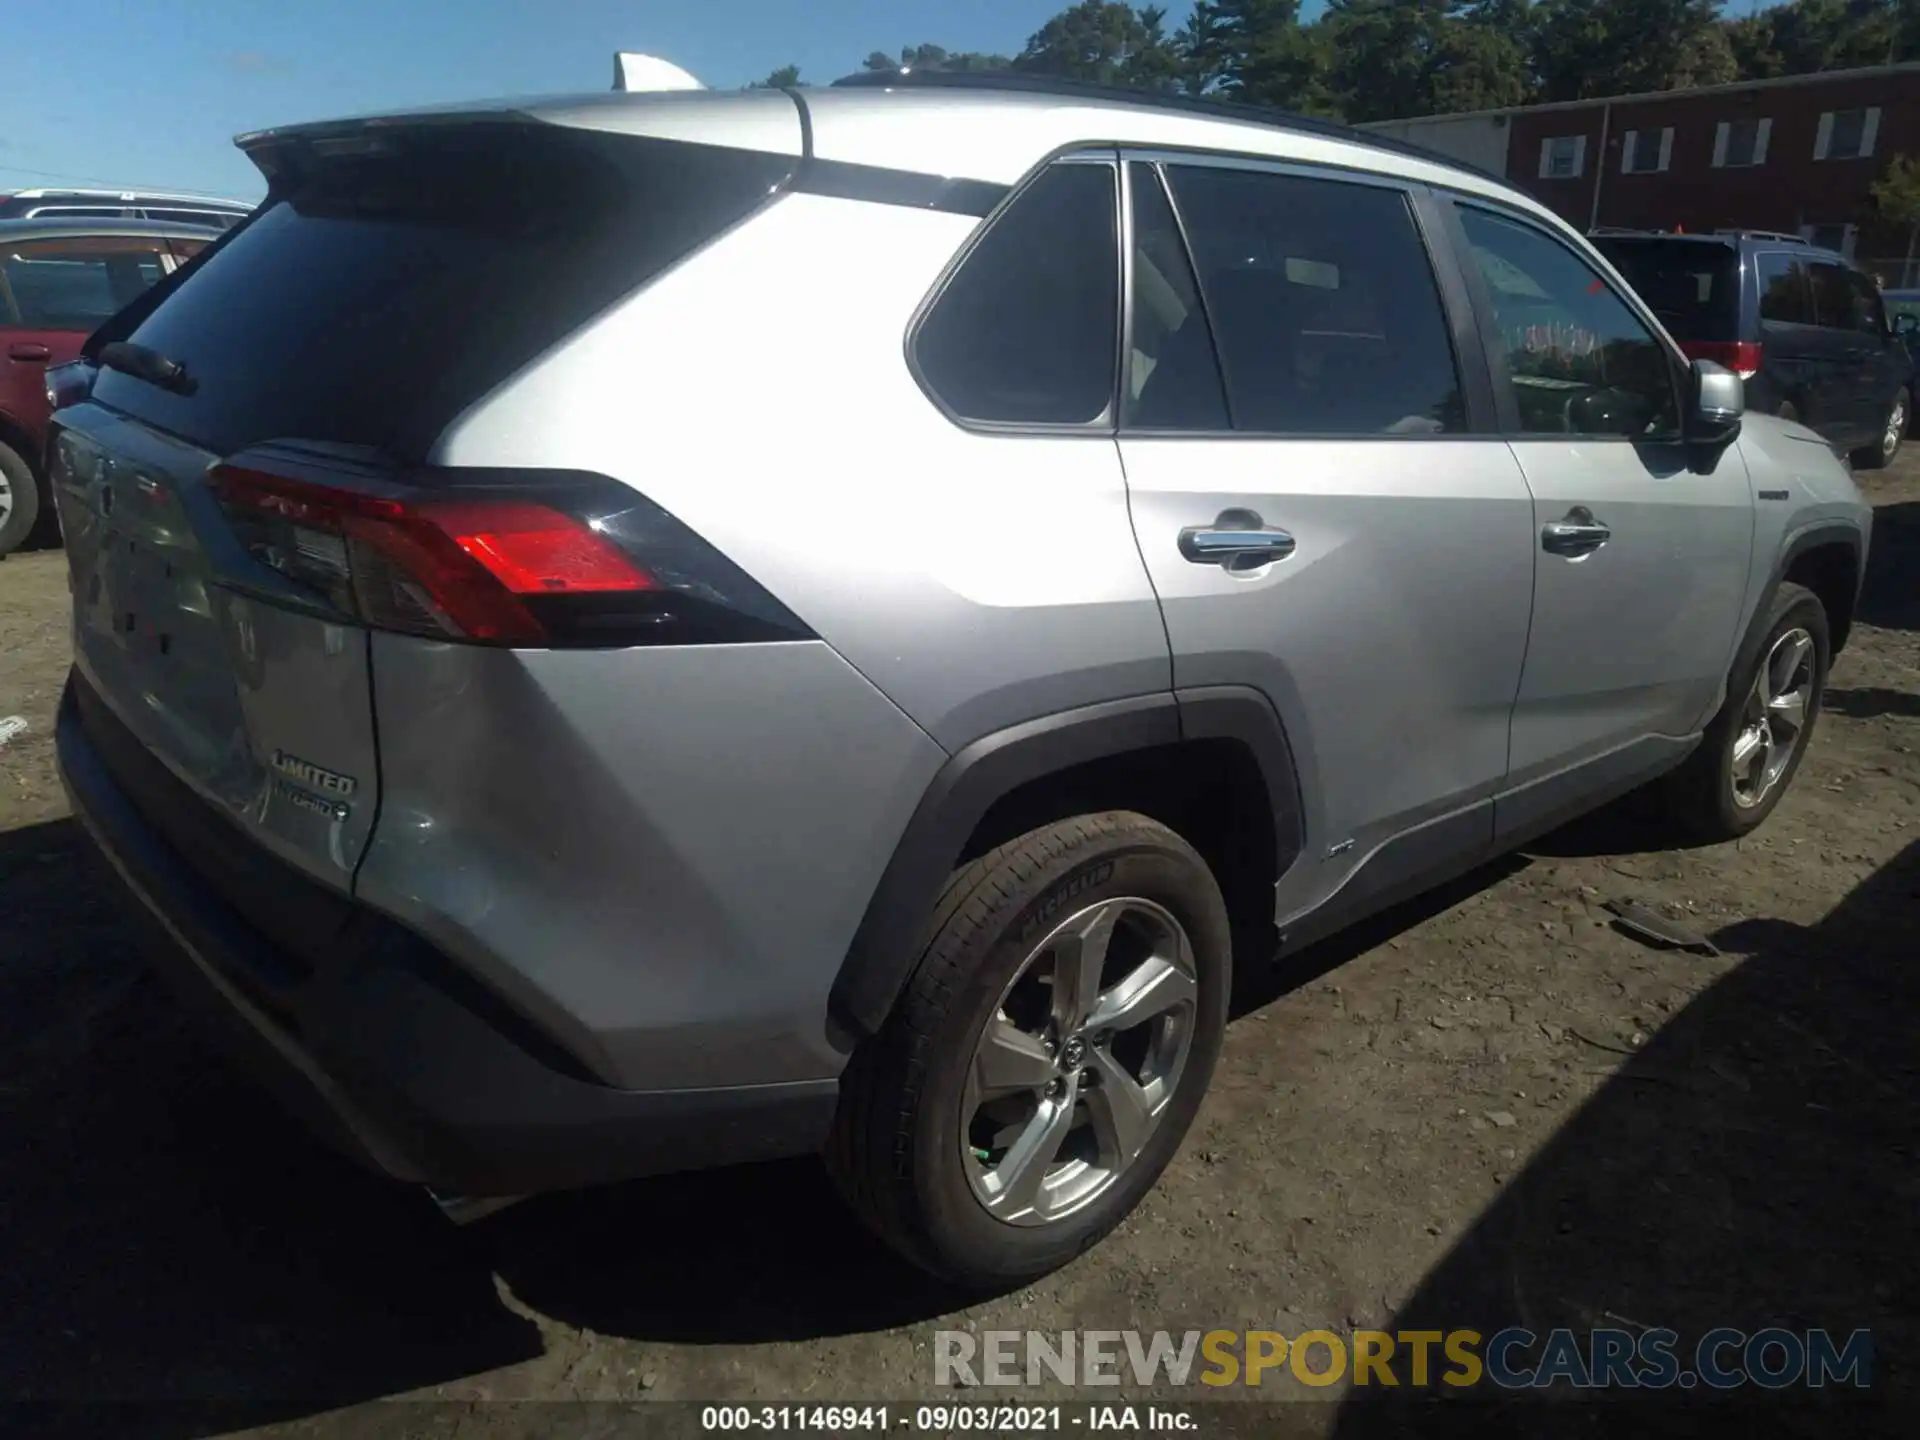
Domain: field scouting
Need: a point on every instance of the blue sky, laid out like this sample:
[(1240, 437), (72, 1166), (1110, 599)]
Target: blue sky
[(152, 92)]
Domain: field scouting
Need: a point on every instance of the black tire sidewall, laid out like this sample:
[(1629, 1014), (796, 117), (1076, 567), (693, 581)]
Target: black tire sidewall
[(25, 514), (1793, 608), (972, 1242)]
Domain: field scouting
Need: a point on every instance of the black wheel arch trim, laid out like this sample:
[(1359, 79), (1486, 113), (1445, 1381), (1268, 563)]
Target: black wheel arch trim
[(881, 957), (1813, 538)]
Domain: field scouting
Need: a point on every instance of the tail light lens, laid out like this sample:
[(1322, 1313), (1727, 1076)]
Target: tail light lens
[(1740, 356), (515, 558)]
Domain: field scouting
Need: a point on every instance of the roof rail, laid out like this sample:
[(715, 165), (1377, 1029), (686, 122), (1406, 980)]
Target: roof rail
[(1022, 82), (1766, 235)]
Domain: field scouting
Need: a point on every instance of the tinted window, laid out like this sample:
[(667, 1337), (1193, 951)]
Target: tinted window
[(1580, 360), (1690, 285), (388, 290), (1866, 312), (1027, 329), (1785, 297), (1323, 302), (1834, 306), (75, 284), (1173, 375)]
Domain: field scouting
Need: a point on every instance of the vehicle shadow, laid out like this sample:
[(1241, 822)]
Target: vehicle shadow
[(1752, 1166), (175, 1243), (1890, 596)]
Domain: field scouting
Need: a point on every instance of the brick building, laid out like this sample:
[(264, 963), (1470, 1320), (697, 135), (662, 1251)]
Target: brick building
[(1796, 154)]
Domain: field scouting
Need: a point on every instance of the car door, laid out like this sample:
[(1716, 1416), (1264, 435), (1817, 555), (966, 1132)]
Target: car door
[(1884, 365), (53, 293), (1855, 352), (1797, 368), (1323, 507), (1641, 543)]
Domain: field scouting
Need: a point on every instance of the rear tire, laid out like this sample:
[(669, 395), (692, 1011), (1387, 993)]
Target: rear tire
[(1752, 750), (19, 500), (1879, 456), (942, 1110)]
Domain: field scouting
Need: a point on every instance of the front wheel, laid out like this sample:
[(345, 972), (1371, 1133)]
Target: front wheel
[(1048, 1055), (1754, 746), (1875, 457)]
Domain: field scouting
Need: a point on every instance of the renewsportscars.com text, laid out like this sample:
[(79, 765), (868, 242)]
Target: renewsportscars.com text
[(1651, 1359)]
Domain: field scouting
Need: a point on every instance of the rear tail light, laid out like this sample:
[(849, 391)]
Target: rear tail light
[(1740, 356), (484, 557)]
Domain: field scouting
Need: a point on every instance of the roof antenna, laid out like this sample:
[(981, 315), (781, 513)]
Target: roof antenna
[(634, 71)]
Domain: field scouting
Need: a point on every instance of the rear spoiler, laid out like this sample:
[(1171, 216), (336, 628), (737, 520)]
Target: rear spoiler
[(633, 71)]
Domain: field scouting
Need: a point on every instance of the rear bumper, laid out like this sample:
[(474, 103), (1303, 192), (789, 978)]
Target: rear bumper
[(380, 1049)]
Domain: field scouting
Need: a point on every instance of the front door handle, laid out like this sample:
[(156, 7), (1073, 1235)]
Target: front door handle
[(1237, 540), (29, 351), (1579, 534)]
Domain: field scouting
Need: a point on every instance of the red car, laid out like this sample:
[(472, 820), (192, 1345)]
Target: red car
[(58, 280)]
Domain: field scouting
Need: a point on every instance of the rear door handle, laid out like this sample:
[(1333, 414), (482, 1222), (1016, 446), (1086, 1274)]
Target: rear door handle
[(29, 351), (1237, 540), (1579, 534)]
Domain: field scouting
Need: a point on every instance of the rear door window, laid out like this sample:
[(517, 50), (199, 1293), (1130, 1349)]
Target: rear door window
[(75, 284), (1834, 307), (1323, 301), (378, 293), (1027, 329), (1691, 285), (1786, 294), (1867, 314)]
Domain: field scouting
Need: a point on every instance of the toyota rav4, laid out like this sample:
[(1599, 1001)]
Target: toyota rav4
[(649, 631)]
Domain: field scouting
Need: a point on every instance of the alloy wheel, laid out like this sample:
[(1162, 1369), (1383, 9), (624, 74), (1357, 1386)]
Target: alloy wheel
[(1773, 725), (1079, 1061), (1896, 427), (6, 497)]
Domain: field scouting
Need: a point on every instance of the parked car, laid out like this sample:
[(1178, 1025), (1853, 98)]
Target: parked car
[(58, 280), (204, 210), (1805, 329), (681, 634)]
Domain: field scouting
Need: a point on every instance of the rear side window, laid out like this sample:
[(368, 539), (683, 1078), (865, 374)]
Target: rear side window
[(1867, 313), (1324, 304), (75, 284), (1026, 331), (377, 294), (1691, 285), (1786, 297)]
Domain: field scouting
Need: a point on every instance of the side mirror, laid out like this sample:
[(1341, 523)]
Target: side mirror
[(1718, 400), (1905, 323)]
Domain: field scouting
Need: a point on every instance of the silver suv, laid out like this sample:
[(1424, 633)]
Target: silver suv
[(639, 632)]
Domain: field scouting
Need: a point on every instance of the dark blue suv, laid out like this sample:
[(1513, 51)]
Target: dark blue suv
[(1805, 329)]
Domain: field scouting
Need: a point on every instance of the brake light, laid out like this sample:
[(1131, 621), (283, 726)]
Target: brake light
[(546, 558), (452, 568), (1740, 356)]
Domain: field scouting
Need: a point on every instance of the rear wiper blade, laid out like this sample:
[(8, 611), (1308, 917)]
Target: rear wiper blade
[(150, 365)]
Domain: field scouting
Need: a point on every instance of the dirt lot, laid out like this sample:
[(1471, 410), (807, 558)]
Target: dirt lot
[(1492, 1108)]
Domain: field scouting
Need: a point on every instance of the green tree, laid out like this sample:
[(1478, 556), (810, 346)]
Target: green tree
[(1106, 44), (1896, 195), (1394, 58), (1257, 51), (779, 80), (935, 57), (1585, 49)]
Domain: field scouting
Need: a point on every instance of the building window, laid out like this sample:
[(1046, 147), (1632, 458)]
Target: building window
[(1838, 238), (1740, 143), (1645, 152), (1847, 134), (1563, 157)]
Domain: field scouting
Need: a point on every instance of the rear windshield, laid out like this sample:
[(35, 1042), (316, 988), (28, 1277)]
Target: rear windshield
[(375, 296), (1693, 286)]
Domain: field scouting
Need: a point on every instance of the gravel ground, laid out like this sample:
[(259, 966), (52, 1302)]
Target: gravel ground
[(1491, 1107)]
